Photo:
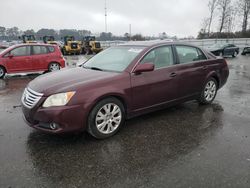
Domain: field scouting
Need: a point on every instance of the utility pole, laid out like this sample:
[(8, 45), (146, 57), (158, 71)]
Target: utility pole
[(105, 8), (130, 32)]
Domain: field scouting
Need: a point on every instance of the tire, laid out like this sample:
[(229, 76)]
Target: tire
[(64, 52), (89, 51), (106, 118), (53, 67), (235, 54), (2, 72), (209, 92)]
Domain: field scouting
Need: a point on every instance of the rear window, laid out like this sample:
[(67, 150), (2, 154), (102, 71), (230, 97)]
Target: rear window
[(188, 54), (39, 50), (51, 49)]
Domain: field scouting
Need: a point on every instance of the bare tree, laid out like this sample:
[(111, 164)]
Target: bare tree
[(205, 25), (224, 8), (229, 22), (212, 7), (244, 9)]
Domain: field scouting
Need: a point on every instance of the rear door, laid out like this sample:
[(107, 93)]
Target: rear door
[(19, 59), (229, 49), (158, 86), (192, 70), (40, 57)]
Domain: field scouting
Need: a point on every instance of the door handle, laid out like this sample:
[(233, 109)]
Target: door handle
[(173, 74), (204, 67)]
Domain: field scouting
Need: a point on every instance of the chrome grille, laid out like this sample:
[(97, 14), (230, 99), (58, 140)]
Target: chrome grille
[(30, 97)]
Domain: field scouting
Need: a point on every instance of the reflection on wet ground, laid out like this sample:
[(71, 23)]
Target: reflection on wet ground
[(183, 146)]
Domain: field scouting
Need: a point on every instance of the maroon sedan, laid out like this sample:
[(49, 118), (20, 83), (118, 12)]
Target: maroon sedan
[(119, 83)]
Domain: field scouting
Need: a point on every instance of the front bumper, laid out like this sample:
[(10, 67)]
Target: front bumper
[(68, 118)]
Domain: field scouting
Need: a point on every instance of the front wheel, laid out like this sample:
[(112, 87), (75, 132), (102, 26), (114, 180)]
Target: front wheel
[(106, 118), (209, 92), (235, 54), (2, 72), (54, 67)]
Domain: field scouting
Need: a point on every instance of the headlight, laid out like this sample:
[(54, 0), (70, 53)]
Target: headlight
[(59, 99)]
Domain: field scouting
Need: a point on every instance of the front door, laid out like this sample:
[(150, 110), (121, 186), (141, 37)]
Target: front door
[(159, 86), (19, 59)]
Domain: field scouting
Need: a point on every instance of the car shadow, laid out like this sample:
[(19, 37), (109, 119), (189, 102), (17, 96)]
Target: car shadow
[(163, 137)]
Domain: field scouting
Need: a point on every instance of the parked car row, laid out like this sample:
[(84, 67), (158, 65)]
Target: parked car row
[(120, 83), (228, 50)]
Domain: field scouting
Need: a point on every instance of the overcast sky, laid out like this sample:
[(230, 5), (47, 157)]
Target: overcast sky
[(148, 17)]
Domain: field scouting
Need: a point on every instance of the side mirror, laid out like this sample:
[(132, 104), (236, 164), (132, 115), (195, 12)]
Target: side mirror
[(10, 56), (145, 67)]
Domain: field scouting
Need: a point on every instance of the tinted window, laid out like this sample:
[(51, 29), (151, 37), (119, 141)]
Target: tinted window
[(160, 57), (21, 51), (188, 54), (51, 49), (39, 50)]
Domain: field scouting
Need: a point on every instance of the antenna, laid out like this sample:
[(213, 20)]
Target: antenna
[(105, 8)]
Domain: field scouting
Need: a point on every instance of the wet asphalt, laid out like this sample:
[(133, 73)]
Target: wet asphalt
[(184, 146)]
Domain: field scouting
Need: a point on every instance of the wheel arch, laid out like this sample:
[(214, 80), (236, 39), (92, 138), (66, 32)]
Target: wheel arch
[(215, 76), (53, 62), (112, 95), (4, 68)]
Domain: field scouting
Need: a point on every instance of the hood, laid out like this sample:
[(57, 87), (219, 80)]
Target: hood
[(213, 48), (67, 80)]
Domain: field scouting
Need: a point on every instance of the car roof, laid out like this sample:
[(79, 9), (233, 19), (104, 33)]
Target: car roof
[(155, 43), (31, 44)]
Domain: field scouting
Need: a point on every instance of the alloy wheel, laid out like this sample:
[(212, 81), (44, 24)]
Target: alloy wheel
[(54, 67), (108, 118), (210, 91)]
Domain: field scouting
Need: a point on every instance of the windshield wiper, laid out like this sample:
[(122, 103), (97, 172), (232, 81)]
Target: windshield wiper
[(95, 68)]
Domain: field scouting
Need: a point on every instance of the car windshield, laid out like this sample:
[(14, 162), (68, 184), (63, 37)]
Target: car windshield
[(217, 45), (113, 59)]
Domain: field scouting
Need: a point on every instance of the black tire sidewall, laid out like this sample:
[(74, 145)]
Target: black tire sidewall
[(202, 99), (4, 72), (91, 127)]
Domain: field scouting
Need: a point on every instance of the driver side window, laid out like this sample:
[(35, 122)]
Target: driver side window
[(160, 57), (21, 51)]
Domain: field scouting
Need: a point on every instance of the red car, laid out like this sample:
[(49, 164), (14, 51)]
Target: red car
[(30, 58), (119, 83)]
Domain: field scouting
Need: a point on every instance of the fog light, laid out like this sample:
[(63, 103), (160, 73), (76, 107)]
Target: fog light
[(53, 126)]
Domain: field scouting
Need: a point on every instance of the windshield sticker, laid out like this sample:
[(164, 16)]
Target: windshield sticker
[(135, 50)]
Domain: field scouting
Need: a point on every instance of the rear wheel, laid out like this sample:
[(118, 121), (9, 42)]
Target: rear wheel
[(106, 118), (209, 92), (54, 67), (2, 72)]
